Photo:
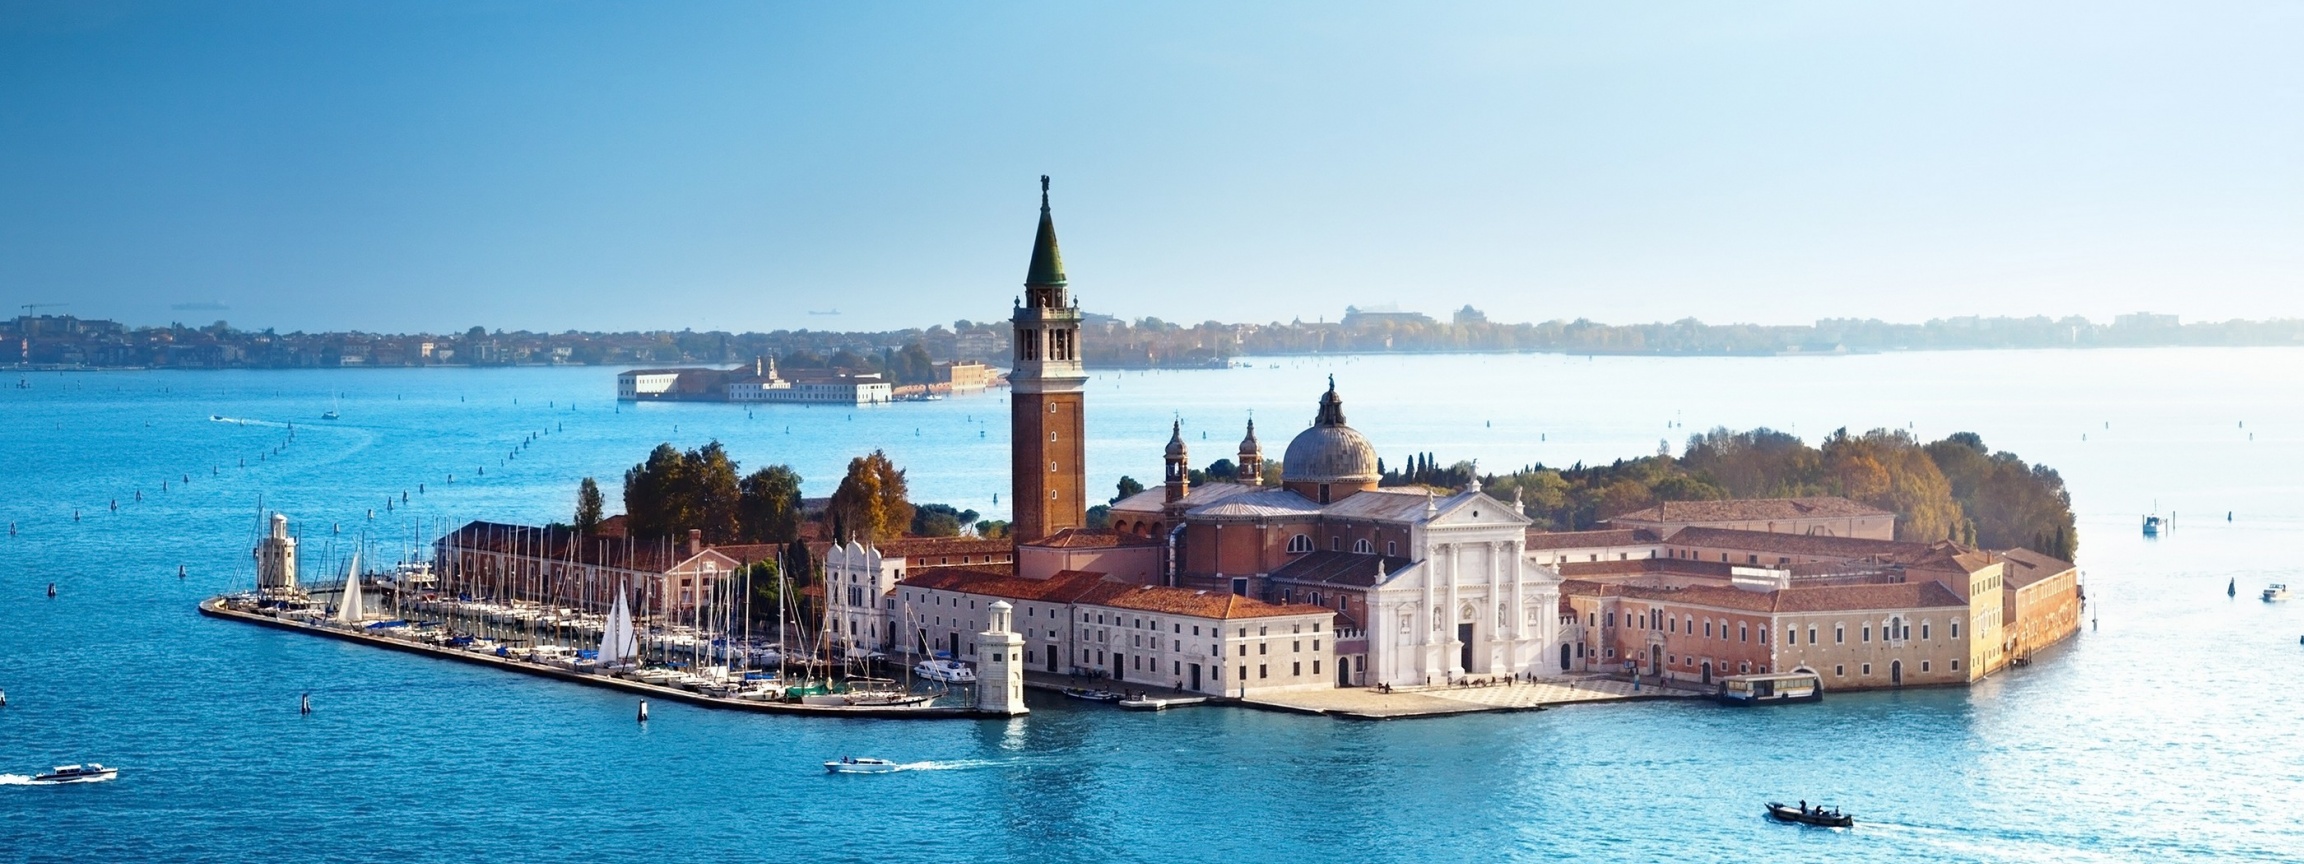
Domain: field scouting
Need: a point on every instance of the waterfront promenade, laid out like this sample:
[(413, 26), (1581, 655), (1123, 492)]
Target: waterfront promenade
[(1362, 703)]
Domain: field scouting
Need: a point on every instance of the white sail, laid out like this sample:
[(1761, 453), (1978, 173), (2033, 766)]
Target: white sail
[(348, 608), (618, 642)]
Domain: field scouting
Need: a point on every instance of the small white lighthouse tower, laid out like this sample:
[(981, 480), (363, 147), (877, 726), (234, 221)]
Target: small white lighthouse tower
[(1000, 665), (276, 558)]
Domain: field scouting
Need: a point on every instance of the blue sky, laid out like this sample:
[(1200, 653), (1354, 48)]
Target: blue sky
[(408, 166)]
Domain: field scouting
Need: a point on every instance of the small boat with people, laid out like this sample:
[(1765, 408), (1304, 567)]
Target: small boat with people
[(89, 773), (860, 765), (2276, 593), (1087, 695), (1819, 815)]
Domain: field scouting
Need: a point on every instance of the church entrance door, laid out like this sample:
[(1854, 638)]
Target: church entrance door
[(1707, 671), (1119, 671), (1051, 658), (1195, 676), (1655, 659), (1896, 673), (1464, 653)]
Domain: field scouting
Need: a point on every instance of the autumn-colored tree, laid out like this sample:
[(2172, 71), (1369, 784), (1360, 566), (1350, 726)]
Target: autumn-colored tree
[(1888, 469), (872, 501)]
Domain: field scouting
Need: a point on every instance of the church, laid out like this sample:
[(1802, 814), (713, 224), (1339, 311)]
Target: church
[(1409, 586)]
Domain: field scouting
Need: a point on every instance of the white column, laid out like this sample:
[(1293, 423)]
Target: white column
[(1455, 648)]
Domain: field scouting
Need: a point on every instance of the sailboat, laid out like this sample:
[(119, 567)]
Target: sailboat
[(349, 609), (618, 643), (334, 403)]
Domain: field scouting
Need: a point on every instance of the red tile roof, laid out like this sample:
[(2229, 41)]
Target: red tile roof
[(1753, 509), (1089, 538), (1830, 598), (1589, 539), (1096, 589), (1850, 548), (1223, 605), (2026, 567)]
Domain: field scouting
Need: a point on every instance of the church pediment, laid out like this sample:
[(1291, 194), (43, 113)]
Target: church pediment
[(1475, 509)]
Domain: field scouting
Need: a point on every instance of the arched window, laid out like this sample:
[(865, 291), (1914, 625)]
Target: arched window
[(1363, 547), (1300, 543)]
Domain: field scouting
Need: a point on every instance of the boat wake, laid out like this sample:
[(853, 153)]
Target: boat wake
[(953, 765), (243, 421), (26, 780)]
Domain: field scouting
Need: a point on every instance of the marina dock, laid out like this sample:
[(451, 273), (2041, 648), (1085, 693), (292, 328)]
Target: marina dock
[(214, 607)]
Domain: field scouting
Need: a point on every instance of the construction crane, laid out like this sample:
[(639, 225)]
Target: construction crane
[(29, 307)]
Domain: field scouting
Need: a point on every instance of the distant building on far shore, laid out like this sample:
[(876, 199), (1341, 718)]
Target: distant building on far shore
[(763, 384)]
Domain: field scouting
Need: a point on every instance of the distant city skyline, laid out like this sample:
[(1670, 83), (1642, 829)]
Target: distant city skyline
[(734, 167)]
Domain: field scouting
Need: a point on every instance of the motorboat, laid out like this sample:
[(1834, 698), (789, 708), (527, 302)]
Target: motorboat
[(860, 765), (89, 773), (2276, 592), (1141, 702), (2152, 526), (1818, 815), (1092, 695), (952, 671)]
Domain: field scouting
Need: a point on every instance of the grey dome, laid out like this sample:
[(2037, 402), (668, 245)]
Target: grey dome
[(1329, 452)]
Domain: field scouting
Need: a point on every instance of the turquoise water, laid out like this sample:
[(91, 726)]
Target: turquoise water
[(2166, 733)]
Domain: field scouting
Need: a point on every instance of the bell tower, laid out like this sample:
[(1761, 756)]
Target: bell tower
[(1047, 390)]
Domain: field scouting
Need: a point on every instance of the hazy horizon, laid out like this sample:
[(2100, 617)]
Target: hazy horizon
[(406, 168)]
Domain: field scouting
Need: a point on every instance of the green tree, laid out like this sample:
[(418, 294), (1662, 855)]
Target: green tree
[(649, 492), (770, 508), (672, 493), (872, 500), (1128, 486), (588, 506)]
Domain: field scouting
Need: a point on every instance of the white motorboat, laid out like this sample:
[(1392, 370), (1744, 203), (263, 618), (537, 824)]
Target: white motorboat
[(951, 671), (2277, 592), (89, 773), (860, 765)]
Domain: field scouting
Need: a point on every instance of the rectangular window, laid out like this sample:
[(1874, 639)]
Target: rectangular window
[(1260, 670), (1297, 646), (1839, 634), (1867, 632), (1243, 673), (1243, 650), (1263, 647), (1923, 634), (1923, 665), (1296, 669), (1743, 632), (1840, 671), (1955, 629), (1955, 665), (1867, 668), (1316, 666)]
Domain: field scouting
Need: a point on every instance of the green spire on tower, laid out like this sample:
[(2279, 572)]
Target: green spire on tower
[(1047, 262)]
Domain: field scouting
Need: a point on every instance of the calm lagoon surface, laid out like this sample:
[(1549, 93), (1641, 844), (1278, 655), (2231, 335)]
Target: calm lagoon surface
[(2168, 730)]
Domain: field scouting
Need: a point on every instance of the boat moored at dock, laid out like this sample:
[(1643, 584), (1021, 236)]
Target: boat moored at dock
[(951, 671), (2277, 592), (1776, 688)]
